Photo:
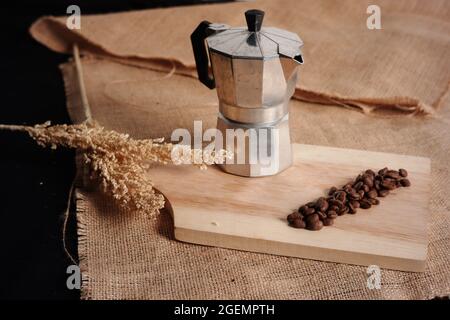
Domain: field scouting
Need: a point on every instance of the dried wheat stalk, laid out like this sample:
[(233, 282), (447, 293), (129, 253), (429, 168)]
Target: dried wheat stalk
[(119, 162)]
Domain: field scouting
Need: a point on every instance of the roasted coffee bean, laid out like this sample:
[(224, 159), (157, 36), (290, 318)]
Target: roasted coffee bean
[(314, 226), (392, 174), (351, 209), (348, 190), (368, 181), (324, 206), (405, 182), (388, 184), (312, 218), (403, 173), (332, 214), (334, 208), (358, 185), (364, 204), (359, 193), (321, 205), (336, 203), (372, 194), (332, 191), (322, 215), (376, 185), (309, 211), (341, 196), (344, 210), (354, 196), (298, 223), (355, 204), (293, 216)]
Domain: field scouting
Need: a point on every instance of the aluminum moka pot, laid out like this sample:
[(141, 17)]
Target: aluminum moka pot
[(254, 70)]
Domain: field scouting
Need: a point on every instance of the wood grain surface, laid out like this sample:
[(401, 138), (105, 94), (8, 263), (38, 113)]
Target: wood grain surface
[(214, 208)]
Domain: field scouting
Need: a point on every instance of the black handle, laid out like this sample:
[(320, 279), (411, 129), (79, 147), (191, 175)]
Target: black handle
[(201, 55), (254, 19)]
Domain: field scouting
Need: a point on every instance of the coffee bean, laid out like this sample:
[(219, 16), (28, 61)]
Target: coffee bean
[(364, 204), (405, 182), (351, 209), (309, 211), (312, 218), (354, 196), (359, 193), (372, 194), (294, 216), (348, 190), (332, 214), (311, 204), (334, 208), (321, 204), (332, 191), (340, 196), (403, 173), (355, 204), (344, 210), (322, 215), (358, 185), (368, 181), (388, 184), (298, 223), (376, 185), (336, 203), (392, 174), (314, 226)]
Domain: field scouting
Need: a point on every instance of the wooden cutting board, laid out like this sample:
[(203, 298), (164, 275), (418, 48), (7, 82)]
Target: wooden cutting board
[(214, 208)]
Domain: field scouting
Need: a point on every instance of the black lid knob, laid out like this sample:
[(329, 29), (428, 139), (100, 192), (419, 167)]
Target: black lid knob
[(254, 19)]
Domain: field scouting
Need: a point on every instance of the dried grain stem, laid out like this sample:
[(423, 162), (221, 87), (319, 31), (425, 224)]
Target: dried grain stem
[(117, 161)]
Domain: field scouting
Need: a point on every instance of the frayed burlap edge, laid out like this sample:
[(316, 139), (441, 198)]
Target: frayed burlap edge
[(81, 206), (74, 103)]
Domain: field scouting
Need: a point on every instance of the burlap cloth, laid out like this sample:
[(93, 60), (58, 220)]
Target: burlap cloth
[(402, 66), (126, 255)]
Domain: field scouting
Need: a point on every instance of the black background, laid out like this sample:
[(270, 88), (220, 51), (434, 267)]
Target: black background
[(35, 181)]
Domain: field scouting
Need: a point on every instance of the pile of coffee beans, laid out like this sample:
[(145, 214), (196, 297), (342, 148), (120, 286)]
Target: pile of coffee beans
[(359, 193)]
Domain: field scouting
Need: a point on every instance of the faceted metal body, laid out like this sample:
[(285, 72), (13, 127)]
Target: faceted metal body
[(254, 91), (263, 154), (255, 74)]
